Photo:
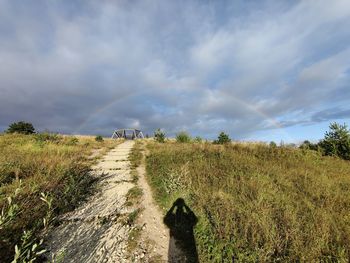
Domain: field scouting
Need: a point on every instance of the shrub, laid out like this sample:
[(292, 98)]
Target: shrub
[(222, 138), (183, 137), (72, 141), (198, 139), (336, 141), (21, 127), (159, 136), (47, 137), (307, 145), (99, 138), (273, 144)]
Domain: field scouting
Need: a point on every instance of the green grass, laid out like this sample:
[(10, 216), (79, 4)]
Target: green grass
[(257, 203), (52, 164), (135, 156)]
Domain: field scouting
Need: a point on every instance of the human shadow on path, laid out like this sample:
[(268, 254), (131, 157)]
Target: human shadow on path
[(182, 245)]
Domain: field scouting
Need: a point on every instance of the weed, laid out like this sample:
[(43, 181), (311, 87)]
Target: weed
[(99, 138), (131, 219), (133, 195)]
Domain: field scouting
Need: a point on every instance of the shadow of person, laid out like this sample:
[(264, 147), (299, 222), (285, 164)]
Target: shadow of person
[(182, 245)]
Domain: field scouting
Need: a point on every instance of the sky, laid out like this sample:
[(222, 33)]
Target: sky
[(258, 70)]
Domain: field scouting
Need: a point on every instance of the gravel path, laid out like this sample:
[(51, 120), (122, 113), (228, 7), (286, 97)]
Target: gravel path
[(96, 232)]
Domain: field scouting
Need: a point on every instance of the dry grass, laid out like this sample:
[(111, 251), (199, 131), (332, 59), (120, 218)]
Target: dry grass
[(52, 164), (256, 203)]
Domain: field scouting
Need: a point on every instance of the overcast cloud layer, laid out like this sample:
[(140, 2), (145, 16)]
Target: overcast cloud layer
[(244, 67)]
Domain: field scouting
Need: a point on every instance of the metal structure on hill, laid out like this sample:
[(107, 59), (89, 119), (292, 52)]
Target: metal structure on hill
[(129, 134)]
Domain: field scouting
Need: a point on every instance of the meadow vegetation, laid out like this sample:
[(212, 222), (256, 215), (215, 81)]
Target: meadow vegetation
[(257, 203), (41, 176), (183, 137)]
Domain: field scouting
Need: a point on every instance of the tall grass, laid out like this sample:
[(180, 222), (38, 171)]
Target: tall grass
[(257, 203), (50, 166)]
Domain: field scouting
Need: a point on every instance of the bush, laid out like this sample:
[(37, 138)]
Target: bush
[(336, 141), (47, 137), (21, 127), (222, 138), (159, 136), (307, 145), (183, 137), (198, 139), (72, 141), (273, 144), (99, 138)]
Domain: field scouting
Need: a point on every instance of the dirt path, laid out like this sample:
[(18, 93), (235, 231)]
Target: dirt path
[(152, 219), (154, 230), (95, 232)]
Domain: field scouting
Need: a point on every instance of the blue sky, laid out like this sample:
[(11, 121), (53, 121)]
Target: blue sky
[(258, 70)]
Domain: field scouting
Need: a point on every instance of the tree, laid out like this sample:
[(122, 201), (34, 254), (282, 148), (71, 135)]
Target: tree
[(21, 127), (336, 141), (222, 138), (183, 137), (159, 136)]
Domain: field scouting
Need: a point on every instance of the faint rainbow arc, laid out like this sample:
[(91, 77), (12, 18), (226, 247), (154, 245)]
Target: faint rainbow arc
[(248, 106)]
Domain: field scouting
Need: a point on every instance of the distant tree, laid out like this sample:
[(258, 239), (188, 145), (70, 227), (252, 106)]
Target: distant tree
[(159, 136), (222, 139), (183, 137), (336, 141), (99, 138), (307, 145), (273, 144), (21, 127)]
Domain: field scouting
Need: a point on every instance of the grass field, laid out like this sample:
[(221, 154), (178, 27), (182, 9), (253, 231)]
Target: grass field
[(51, 175), (256, 203)]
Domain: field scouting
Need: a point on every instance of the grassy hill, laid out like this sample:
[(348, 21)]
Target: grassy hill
[(257, 203), (44, 175)]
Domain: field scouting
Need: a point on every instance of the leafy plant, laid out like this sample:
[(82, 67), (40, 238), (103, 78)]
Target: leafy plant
[(10, 212), (183, 137), (21, 127), (29, 249), (159, 136), (47, 199), (222, 139)]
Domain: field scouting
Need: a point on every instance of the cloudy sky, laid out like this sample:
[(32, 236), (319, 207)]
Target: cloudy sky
[(259, 70)]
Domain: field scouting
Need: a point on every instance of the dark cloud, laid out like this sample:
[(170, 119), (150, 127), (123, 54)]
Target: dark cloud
[(92, 66)]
